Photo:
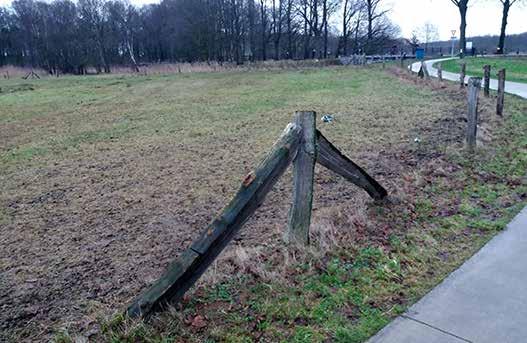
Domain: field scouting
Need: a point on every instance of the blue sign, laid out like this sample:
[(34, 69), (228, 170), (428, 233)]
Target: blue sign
[(420, 53)]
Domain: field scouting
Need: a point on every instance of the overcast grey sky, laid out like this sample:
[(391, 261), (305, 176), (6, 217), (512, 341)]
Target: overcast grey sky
[(484, 16)]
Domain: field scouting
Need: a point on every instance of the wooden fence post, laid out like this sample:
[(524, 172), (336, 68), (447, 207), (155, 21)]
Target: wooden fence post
[(501, 92), (440, 72), (425, 70), (421, 72), (462, 75), (383, 62), (303, 178), (474, 84), (486, 80)]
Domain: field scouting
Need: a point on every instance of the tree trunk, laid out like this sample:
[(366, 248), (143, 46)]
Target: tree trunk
[(463, 28), (501, 44)]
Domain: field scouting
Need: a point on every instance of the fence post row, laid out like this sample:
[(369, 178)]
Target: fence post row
[(501, 92), (462, 75), (486, 80), (300, 142), (474, 85)]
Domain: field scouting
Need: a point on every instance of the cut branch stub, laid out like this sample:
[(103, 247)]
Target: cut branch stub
[(184, 271), (299, 218), (330, 157)]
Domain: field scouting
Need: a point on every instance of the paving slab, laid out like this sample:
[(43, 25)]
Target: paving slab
[(485, 300)]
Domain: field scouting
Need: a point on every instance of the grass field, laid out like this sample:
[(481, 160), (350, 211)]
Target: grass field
[(104, 180), (516, 67)]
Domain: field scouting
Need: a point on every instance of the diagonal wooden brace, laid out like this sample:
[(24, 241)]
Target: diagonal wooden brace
[(330, 157)]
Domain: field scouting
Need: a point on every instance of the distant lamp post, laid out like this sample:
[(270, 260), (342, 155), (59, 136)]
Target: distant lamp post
[(453, 38)]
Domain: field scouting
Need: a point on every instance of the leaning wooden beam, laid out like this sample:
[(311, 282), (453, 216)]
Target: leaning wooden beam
[(299, 218), (330, 157), (185, 271)]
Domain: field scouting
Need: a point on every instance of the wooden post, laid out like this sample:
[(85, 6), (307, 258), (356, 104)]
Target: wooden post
[(486, 80), (501, 92), (183, 272), (425, 70), (303, 178), (383, 62), (440, 72), (474, 84), (421, 72), (462, 75), (402, 61)]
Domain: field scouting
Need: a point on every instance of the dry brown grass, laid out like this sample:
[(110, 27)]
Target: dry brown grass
[(210, 67), (9, 71)]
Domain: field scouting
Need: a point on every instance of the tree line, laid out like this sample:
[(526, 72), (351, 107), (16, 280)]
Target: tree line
[(70, 37)]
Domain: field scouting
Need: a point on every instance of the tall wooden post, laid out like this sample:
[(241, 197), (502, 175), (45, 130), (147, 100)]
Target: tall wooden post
[(474, 84), (501, 92), (440, 72), (462, 75), (425, 70), (383, 62), (303, 177), (486, 80)]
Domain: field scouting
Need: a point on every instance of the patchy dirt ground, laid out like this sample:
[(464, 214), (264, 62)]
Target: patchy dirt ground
[(93, 210)]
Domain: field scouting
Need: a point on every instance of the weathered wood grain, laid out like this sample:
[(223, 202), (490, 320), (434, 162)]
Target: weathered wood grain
[(474, 85), (501, 93), (330, 157), (185, 270), (299, 218)]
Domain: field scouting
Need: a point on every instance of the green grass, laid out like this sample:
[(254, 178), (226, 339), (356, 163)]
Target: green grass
[(185, 137), (516, 67)]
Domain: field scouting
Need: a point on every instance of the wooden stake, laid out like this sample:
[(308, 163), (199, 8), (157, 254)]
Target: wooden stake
[(425, 70), (501, 92), (474, 85), (440, 72), (303, 176), (462, 75), (486, 80)]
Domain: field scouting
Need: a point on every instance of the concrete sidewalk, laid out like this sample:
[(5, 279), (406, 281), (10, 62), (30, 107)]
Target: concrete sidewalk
[(515, 88), (485, 300)]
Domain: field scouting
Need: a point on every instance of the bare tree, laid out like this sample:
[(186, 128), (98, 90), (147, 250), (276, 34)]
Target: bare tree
[(375, 19), (351, 11), (428, 33), (278, 17), (507, 4), (462, 6)]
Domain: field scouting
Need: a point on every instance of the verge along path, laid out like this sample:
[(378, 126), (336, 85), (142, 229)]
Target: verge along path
[(515, 88), (485, 300)]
